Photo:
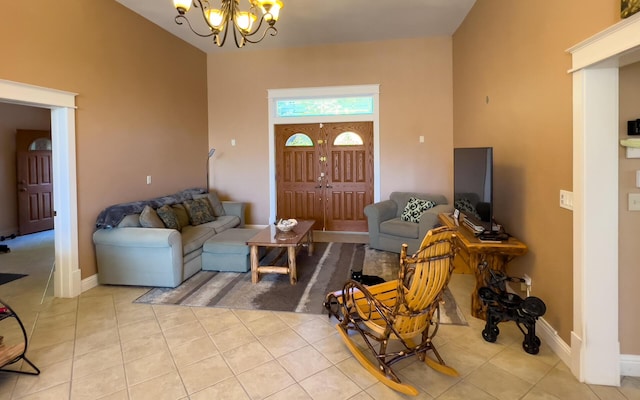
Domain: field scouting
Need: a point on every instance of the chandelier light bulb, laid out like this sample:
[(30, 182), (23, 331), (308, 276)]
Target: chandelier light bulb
[(271, 9), (215, 18), (182, 5), (245, 20)]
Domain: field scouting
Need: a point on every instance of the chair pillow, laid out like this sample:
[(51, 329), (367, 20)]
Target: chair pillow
[(199, 210), (465, 206), (149, 218), (169, 218), (414, 209)]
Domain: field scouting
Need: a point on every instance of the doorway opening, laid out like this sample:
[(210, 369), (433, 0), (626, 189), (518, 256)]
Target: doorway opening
[(67, 278)]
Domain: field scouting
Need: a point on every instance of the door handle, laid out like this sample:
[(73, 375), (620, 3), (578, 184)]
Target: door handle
[(23, 190)]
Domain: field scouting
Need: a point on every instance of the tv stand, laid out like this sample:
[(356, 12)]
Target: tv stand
[(474, 253)]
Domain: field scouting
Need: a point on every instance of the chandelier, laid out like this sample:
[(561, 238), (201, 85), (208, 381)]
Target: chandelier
[(229, 17)]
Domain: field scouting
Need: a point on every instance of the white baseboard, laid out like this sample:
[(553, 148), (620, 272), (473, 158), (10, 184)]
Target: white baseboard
[(253, 226), (89, 283), (629, 365), (554, 341)]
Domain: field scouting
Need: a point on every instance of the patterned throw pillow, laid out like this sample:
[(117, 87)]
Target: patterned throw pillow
[(465, 206), (199, 211), (149, 218), (216, 204), (169, 217), (414, 209), (181, 213)]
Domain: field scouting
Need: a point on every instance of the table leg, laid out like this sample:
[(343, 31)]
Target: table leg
[(293, 276), (254, 264), (310, 242)]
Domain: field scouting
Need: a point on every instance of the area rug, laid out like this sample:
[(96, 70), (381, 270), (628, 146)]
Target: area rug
[(325, 271), (6, 278)]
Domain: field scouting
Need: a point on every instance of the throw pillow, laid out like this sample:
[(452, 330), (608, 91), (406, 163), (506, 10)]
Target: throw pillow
[(414, 209), (465, 206), (149, 218), (216, 204), (169, 217), (199, 211), (181, 213)]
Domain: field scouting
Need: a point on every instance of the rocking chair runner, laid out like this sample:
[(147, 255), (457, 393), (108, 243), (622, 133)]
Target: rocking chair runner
[(405, 310)]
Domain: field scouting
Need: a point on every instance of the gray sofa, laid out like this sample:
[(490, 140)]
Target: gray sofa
[(387, 230), (129, 254)]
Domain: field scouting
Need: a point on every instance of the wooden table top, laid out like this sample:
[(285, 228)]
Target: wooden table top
[(511, 247), (272, 237)]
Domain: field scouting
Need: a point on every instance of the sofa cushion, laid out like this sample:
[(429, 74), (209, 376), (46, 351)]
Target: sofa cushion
[(414, 209), (199, 211), (181, 213), (169, 217), (216, 204), (398, 227), (223, 223), (193, 237), (149, 218)]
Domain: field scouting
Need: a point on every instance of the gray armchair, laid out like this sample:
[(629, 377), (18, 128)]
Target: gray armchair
[(387, 231)]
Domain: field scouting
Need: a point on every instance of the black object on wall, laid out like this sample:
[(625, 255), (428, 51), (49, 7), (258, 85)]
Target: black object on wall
[(633, 127)]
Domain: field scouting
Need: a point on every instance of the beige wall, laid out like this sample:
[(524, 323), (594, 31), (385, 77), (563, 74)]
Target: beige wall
[(141, 99), (629, 222), (514, 54), (415, 99), (13, 117)]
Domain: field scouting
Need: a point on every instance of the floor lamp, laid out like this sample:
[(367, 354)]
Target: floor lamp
[(211, 151)]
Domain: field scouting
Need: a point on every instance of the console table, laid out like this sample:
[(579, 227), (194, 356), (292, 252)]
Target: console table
[(472, 253)]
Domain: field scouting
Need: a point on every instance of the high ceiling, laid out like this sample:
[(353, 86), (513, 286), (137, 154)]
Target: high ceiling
[(313, 22)]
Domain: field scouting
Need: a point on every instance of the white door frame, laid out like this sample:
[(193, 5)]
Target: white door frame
[(322, 92), (67, 277), (595, 346)]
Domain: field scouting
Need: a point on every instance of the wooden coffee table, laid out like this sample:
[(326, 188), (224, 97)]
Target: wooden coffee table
[(301, 234)]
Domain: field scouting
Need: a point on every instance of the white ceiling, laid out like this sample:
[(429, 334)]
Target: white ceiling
[(313, 22)]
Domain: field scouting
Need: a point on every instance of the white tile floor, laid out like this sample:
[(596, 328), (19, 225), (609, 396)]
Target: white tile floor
[(103, 346)]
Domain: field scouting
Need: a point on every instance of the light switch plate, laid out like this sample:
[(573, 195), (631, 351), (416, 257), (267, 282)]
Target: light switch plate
[(634, 201), (566, 199)]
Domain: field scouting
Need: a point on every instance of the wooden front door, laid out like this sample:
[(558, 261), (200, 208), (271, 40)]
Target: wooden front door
[(35, 181), (325, 172)]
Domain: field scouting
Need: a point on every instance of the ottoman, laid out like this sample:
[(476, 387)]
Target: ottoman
[(228, 251)]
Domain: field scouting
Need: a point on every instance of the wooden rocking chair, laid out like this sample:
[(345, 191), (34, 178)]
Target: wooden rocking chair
[(406, 310)]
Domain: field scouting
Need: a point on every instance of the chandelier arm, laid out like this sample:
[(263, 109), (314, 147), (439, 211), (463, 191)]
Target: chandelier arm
[(181, 17), (271, 30), (224, 38)]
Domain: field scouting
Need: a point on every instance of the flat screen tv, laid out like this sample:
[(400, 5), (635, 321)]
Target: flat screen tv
[(473, 185)]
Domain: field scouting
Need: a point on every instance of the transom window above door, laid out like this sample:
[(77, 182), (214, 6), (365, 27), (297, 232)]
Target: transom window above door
[(324, 106)]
